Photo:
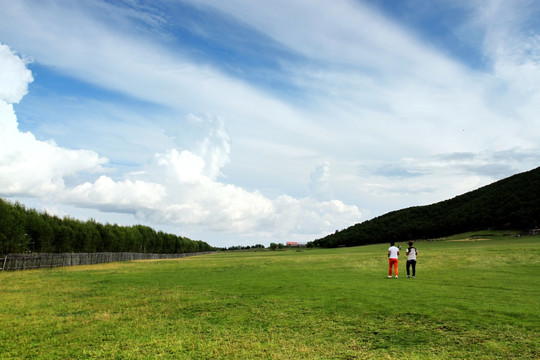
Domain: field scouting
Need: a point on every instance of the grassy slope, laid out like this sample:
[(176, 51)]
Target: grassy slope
[(471, 299)]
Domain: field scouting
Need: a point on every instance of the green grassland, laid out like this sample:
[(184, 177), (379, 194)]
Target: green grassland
[(473, 299)]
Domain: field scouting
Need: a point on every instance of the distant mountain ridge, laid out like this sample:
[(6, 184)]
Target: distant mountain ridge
[(510, 203)]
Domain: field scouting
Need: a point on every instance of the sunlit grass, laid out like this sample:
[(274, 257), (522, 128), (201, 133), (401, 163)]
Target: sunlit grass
[(471, 299)]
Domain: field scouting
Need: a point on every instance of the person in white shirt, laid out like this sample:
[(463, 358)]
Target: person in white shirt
[(411, 259), (393, 255)]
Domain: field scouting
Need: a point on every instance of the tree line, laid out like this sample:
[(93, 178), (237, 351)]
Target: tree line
[(27, 230), (512, 203)]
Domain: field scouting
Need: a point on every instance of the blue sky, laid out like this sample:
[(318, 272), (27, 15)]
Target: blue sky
[(241, 123)]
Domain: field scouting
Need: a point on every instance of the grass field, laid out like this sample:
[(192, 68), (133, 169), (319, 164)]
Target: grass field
[(470, 300)]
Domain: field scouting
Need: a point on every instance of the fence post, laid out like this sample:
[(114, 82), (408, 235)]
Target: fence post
[(4, 265)]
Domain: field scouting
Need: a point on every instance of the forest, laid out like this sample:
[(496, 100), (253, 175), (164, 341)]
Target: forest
[(25, 230), (509, 204)]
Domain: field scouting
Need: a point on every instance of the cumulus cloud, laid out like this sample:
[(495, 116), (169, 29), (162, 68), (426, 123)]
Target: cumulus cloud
[(30, 166), (183, 187), (121, 196), (14, 76), (33, 167)]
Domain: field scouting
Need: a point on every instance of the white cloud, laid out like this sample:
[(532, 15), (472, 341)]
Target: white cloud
[(14, 76), (182, 188), (511, 44), (37, 168), (215, 149), (121, 196), (319, 186), (29, 166)]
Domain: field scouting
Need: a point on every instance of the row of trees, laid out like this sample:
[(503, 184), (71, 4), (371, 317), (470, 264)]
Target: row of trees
[(511, 203), (27, 230), (273, 246), (240, 247)]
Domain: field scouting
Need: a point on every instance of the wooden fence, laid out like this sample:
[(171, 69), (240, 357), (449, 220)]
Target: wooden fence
[(50, 260)]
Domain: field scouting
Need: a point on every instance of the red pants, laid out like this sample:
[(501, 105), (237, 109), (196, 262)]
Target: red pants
[(393, 262)]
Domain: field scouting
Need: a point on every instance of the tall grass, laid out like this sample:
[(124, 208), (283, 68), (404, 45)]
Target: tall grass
[(470, 300)]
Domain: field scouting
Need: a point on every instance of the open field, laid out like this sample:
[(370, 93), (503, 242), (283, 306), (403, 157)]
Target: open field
[(470, 300)]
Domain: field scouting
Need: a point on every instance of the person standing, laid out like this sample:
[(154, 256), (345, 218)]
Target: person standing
[(393, 255), (411, 259)]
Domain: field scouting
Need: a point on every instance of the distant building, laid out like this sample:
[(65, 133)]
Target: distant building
[(295, 243)]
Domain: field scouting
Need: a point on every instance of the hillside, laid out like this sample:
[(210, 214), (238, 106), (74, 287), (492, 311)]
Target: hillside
[(511, 203)]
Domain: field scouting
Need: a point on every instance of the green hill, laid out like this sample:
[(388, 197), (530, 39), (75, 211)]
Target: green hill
[(511, 203)]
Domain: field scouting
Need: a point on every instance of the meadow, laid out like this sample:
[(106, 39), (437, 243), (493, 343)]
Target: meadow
[(473, 299)]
